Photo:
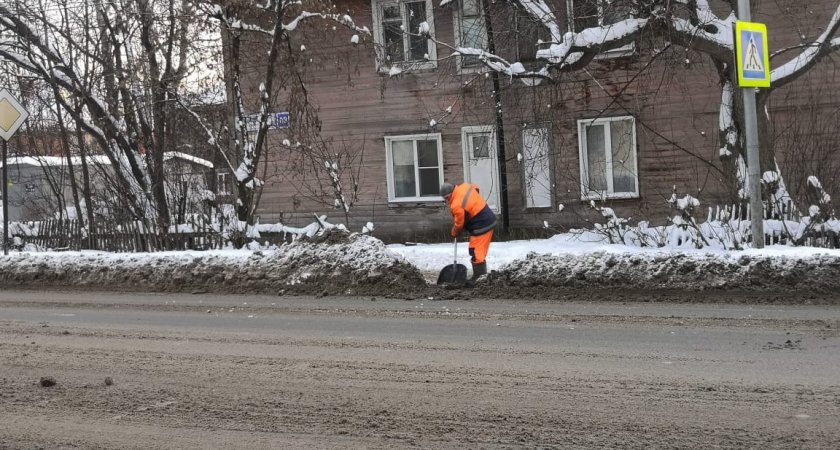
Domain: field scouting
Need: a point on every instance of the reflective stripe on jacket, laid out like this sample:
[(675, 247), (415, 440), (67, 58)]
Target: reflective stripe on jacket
[(470, 210)]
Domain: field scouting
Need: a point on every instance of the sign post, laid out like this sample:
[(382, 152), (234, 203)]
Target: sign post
[(752, 61), (12, 115)]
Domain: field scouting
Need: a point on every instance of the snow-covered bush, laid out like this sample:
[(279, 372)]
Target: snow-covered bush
[(615, 228), (725, 228)]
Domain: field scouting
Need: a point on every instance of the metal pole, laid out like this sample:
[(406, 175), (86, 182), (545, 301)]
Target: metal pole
[(5, 200), (753, 163)]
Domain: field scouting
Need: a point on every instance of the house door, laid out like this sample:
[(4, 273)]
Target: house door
[(481, 163)]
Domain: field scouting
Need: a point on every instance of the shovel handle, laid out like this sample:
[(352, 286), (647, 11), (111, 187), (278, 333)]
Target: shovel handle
[(455, 255)]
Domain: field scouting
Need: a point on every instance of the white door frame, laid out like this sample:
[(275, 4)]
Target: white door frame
[(494, 162)]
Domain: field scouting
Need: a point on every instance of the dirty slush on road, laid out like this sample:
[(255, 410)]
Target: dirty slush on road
[(155, 389)]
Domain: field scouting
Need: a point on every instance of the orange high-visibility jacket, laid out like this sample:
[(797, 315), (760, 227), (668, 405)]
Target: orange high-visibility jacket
[(470, 211)]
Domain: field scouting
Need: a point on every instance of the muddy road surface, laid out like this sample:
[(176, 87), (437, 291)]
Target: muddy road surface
[(145, 371)]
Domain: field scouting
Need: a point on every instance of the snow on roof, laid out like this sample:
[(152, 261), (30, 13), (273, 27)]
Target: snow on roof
[(180, 155), (53, 160), (40, 161)]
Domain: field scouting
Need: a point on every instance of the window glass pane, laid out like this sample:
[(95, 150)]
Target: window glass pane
[(615, 11), (403, 158), (529, 31), (586, 14), (391, 12), (481, 146), (472, 32), (402, 152), (469, 7), (404, 181), (427, 154), (418, 45), (429, 182), (623, 160), (472, 35), (596, 158), (393, 35), (536, 168)]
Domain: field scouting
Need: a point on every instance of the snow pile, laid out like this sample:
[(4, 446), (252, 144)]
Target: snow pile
[(359, 264), (355, 260), (339, 263), (586, 260), (675, 270)]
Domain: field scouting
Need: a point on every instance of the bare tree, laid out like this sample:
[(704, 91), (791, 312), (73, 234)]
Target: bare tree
[(117, 67)]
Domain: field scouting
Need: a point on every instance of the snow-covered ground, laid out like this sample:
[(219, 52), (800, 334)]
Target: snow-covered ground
[(363, 264)]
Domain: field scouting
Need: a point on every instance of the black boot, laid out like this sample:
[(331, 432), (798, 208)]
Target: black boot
[(478, 270)]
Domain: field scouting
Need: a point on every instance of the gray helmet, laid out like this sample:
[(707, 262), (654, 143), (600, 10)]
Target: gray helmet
[(446, 189)]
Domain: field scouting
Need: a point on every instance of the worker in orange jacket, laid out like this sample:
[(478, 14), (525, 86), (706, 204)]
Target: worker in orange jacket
[(470, 212)]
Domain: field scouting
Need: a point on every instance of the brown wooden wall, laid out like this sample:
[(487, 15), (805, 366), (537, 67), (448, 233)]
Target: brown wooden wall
[(675, 101)]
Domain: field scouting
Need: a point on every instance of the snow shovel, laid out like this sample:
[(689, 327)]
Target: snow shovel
[(453, 274)]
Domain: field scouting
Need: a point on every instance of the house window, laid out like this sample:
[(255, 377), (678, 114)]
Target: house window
[(479, 145), (585, 14), (415, 167), (530, 31), (223, 183), (470, 30), (397, 34), (608, 167), (536, 170)]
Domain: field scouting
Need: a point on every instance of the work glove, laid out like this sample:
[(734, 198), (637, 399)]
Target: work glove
[(455, 232)]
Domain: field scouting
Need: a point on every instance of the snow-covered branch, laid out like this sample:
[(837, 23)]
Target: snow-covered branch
[(239, 25), (539, 10), (823, 45), (579, 48), (727, 126)]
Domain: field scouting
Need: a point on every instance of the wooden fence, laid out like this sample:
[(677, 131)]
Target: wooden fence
[(129, 236)]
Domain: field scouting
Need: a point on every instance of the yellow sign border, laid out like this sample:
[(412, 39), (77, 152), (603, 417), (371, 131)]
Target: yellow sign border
[(15, 104), (756, 28)]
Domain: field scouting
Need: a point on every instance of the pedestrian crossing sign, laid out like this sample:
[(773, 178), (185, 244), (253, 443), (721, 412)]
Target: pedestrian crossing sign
[(751, 56)]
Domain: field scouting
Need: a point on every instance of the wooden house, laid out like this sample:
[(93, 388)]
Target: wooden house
[(638, 124)]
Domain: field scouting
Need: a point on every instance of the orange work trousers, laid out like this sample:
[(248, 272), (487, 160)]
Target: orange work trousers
[(479, 246)]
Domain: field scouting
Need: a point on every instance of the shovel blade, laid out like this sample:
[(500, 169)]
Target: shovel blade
[(453, 274)]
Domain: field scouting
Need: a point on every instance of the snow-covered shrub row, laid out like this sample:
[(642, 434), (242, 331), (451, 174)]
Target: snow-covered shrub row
[(723, 228)]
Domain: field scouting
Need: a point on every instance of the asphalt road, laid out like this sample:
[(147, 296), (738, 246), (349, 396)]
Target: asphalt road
[(211, 371)]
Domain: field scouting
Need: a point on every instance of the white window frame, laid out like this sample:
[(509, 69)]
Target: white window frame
[(223, 183), (587, 194), (457, 19), (379, 38), (392, 198), (625, 50)]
